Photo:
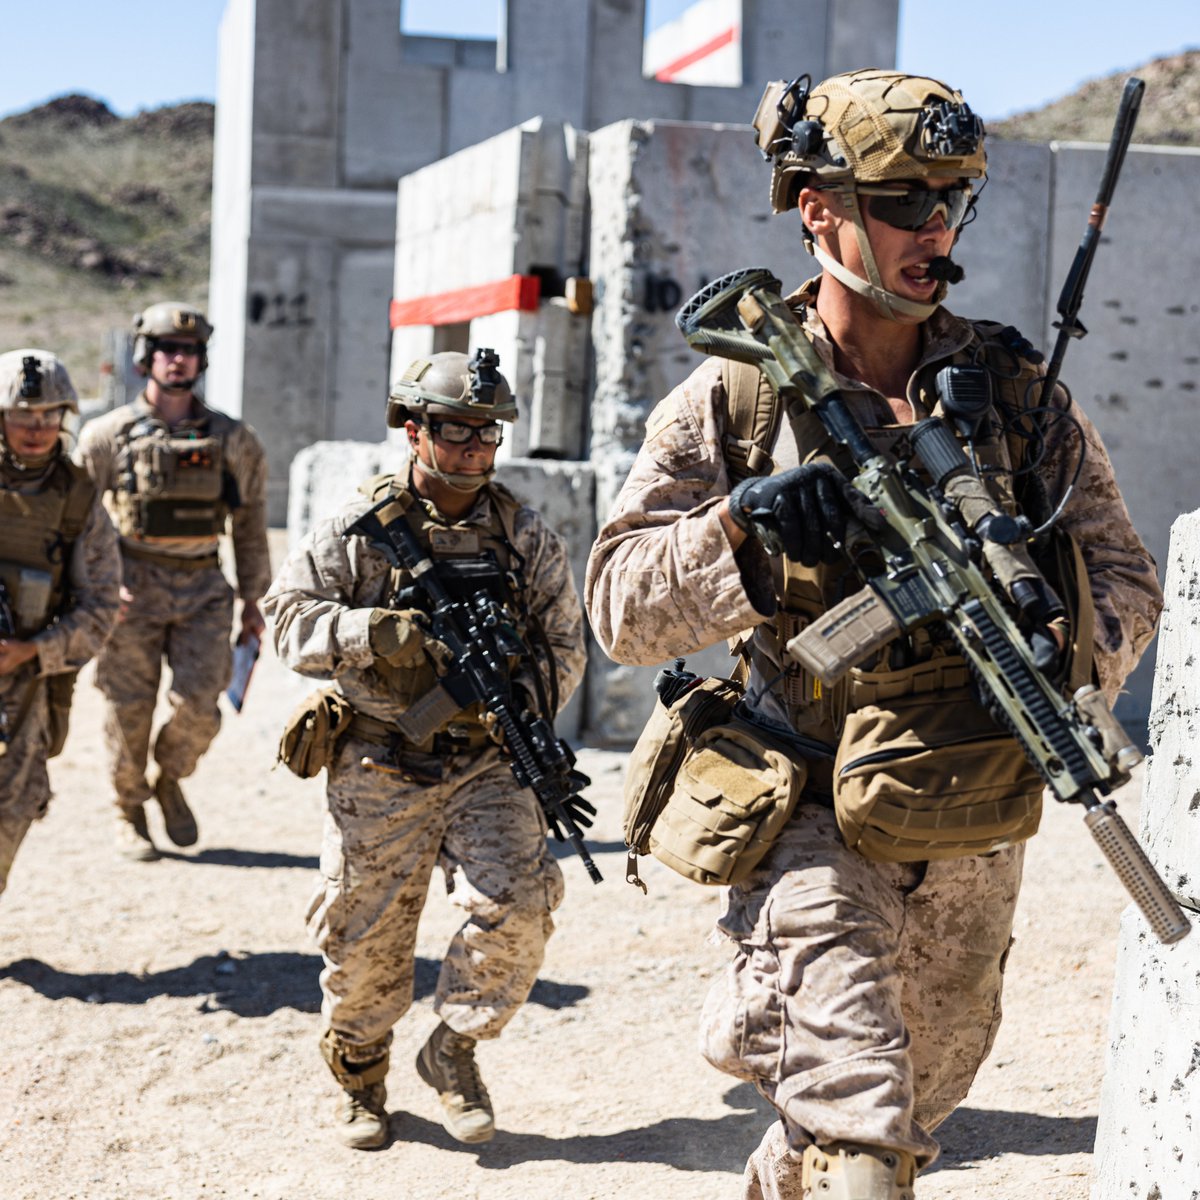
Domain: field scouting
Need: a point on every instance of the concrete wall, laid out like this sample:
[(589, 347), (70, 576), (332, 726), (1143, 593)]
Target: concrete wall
[(323, 105), (512, 205), (1146, 1138)]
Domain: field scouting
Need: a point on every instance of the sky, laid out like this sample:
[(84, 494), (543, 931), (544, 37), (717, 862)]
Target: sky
[(1007, 57)]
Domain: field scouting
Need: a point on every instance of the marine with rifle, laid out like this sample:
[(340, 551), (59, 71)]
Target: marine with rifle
[(869, 942), (444, 611)]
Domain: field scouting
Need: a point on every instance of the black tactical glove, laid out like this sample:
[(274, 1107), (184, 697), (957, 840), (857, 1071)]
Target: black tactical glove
[(802, 512), (578, 809)]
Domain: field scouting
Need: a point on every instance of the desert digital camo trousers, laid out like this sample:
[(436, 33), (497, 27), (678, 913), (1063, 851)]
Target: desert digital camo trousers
[(863, 996), (382, 839), (186, 617), (24, 781)]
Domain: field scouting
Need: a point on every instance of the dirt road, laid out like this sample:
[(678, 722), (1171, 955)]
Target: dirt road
[(160, 1019)]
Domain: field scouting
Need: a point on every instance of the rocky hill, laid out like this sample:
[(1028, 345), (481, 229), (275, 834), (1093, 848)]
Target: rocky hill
[(1170, 113), (99, 215)]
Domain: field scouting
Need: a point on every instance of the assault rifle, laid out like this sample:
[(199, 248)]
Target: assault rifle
[(924, 564), (476, 632)]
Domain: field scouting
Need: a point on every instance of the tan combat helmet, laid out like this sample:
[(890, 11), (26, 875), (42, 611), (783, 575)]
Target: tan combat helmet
[(169, 319), (450, 384), (866, 127), (35, 379)]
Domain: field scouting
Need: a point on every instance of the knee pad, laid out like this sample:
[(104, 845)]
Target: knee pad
[(850, 1171), (355, 1067)]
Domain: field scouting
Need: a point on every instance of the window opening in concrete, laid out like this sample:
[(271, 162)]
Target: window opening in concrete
[(695, 42), (464, 33)]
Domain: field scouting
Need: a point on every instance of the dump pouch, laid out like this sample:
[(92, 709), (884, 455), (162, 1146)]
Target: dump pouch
[(708, 789), (923, 772), (311, 733)]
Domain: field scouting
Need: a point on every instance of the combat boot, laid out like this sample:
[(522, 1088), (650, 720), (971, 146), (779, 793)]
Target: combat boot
[(178, 818), (447, 1064), (133, 836), (362, 1122), (850, 1171)]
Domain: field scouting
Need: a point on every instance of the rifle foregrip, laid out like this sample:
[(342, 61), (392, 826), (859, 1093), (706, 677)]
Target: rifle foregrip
[(1137, 873)]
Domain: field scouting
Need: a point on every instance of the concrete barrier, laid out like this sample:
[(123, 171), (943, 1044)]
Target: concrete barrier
[(1148, 1134)]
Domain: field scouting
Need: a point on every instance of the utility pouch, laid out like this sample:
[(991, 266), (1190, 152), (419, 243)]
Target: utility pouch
[(180, 468), (311, 733), (923, 772), (60, 691), (708, 790)]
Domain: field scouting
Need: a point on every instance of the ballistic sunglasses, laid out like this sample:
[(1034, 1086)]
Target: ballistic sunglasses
[(911, 206), (170, 348)]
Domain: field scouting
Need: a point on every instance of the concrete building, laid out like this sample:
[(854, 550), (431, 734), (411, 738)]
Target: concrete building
[(323, 105)]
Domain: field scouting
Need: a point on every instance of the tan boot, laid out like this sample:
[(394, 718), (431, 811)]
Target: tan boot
[(178, 818), (447, 1063), (851, 1171), (133, 837), (362, 1121)]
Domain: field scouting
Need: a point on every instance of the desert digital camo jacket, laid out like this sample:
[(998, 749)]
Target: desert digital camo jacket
[(94, 581), (322, 598), (663, 581)]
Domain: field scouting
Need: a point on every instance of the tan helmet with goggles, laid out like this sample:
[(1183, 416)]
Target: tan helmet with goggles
[(35, 379), (169, 320), (450, 384), (447, 387), (857, 131)]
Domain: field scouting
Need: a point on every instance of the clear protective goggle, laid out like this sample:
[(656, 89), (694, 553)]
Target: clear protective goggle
[(458, 433)]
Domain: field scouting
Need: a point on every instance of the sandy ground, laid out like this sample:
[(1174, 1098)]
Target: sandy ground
[(161, 1018)]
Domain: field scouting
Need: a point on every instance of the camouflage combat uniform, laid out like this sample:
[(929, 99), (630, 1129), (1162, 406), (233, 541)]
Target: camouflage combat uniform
[(182, 606), (93, 578), (385, 830), (863, 996)]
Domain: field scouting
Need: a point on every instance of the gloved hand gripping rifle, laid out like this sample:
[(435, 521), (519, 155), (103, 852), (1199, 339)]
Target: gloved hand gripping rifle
[(925, 562), (476, 634)]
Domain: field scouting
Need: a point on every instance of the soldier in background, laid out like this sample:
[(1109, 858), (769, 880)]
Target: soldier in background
[(398, 809), (60, 574), (864, 992), (175, 475)]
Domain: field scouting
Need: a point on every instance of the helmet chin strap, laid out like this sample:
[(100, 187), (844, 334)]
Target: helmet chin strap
[(887, 304), (23, 463), (467, 484)]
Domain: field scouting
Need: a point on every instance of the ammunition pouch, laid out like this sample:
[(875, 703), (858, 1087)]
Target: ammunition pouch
[(310, 734), (923, 772), (174, 487), (31, 595), (708, 789)]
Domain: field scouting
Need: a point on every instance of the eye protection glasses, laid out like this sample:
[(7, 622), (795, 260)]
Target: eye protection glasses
[(34, 418), (459, 434), (909, 207), (171, 348)]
